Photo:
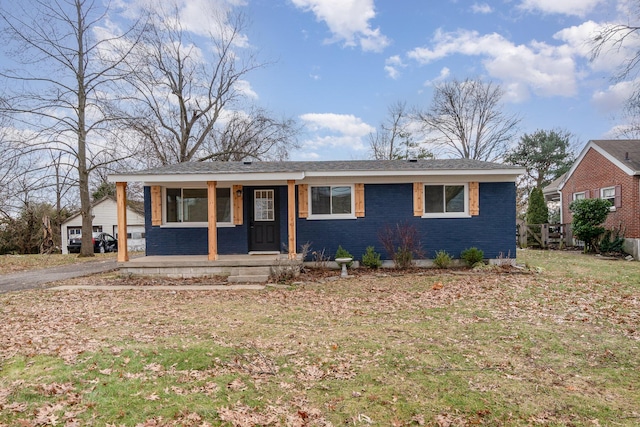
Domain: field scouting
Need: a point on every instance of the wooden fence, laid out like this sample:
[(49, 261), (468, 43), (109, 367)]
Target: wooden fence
[(543, 235)]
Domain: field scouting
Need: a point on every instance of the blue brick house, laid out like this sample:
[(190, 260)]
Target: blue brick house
[(220, 208)]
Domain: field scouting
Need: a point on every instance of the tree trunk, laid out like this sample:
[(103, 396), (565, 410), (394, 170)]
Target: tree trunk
[(86, 248)]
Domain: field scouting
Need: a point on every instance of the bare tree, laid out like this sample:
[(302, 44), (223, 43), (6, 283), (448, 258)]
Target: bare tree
[(183, 94), (255, 135), (623, 38), (630, 130), (62, 90), (617, 37), (393, 139), (466, 120), (23, 173), (63, 179), (13, 168)]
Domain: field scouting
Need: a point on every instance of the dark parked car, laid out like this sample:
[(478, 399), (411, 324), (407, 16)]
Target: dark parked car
[(102, 242)]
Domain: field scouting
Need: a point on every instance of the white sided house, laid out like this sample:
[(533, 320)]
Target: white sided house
[(105, 220)]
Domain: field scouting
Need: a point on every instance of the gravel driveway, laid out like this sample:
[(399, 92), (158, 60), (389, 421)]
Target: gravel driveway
[(36, 278)]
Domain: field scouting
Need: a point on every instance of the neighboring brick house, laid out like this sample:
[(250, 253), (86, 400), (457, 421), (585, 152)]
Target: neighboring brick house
[(608, 169)]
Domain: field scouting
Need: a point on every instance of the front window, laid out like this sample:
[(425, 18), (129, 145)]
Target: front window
[(445, 200), (579, 196), (190, 205), (223, 205), (332, 201)]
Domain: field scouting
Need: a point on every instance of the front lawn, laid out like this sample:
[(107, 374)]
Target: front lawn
[(559, 347), (17, 263)]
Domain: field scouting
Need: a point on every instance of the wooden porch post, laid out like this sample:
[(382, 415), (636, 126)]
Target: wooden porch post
[(121, 203), (291, 209), (213, 228)]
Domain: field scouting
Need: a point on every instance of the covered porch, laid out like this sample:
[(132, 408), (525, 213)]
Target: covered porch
[(251, 266), (276, 221)]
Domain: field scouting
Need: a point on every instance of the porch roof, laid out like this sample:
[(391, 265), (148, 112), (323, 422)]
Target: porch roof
[(261, 171), (552, 191)]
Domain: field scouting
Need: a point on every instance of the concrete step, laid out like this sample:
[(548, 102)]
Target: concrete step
[(250, 271), (254, 278)]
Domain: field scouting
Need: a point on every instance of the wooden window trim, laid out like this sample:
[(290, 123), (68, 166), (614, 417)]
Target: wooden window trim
[(303, 200), (418, 199), (359, 190), (156, 205), (238, 212), (474, 198), (472, 202)]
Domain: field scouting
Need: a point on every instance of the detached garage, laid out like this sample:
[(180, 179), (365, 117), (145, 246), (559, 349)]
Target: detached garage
[(105, 220)]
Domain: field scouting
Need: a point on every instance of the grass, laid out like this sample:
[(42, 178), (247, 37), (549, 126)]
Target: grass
[(555, 348), (575, 264), (17, 263)]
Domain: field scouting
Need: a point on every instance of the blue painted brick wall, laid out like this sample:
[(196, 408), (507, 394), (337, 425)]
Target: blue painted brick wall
[(191, 240), (284, 225), (493, 230)]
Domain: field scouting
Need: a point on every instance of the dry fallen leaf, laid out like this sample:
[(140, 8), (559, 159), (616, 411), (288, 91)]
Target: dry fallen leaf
[(153, 397), (237, 385)]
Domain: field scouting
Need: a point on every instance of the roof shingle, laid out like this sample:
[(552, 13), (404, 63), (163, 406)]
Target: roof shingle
[(323, 166), (626, 151)]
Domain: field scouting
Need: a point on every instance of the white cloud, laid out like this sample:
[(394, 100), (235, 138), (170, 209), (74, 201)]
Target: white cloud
[(578, 37), (613, 98), (444, 73), (244, 87), (201, 17), (612, 56), (627, 7), (482, 8), (308, 155), (348, 21), (392, 66), (345, 143), (346, 124), (537, 67), (343, 133), (564, 7)]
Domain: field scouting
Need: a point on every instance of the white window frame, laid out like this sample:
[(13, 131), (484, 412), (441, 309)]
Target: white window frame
[(464, 214), (73, 231), (272, 197), (199, 224), (611, 199), (351, 215), (575, 196)]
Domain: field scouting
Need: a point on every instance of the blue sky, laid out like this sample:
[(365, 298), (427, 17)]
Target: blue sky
[(340, 64), (337, 65)]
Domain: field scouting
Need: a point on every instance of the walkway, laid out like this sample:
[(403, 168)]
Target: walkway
[(33, 279)]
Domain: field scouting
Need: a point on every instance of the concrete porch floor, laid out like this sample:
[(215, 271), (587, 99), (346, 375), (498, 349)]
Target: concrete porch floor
[(238, 268)]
